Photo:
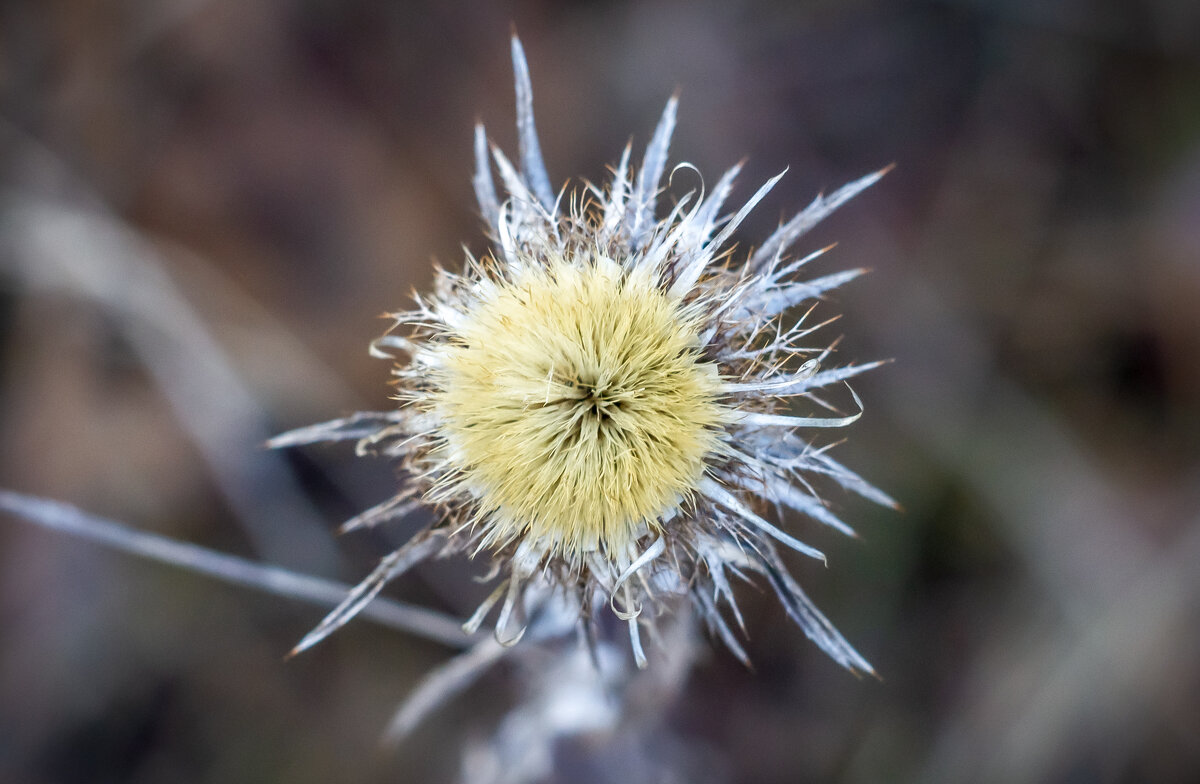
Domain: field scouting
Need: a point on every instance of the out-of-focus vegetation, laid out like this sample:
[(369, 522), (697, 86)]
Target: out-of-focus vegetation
[(205, 205)]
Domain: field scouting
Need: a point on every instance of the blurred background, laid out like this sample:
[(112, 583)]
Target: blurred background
[(205, 206)]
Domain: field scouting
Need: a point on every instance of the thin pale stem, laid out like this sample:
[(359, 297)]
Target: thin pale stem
[(230, 568)]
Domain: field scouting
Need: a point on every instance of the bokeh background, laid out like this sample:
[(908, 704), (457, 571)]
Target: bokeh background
[(205, 206)]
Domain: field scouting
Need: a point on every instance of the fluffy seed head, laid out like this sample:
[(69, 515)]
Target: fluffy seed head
[(602, 403), (576, 405)]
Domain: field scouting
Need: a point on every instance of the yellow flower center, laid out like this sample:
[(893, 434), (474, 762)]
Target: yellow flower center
[(576, 407)]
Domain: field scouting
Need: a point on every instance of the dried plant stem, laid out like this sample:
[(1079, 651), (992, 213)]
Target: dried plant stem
[(230, 568)]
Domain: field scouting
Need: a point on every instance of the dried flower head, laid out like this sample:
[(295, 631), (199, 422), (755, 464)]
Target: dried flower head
[(602, 403)]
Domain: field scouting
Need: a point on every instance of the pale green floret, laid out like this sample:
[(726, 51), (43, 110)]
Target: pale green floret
[(576, 407)]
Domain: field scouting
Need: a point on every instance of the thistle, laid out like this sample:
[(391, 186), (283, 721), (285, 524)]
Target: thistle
[(602, 403)]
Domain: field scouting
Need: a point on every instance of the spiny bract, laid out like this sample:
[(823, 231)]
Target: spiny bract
[(600, 403)]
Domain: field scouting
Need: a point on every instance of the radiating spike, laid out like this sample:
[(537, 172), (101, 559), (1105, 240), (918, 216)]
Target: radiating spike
[(655, 549), (645, 194), (653, 256), (712, 617), (508, 246), (850, 480), (522, 198), (513, 607), (691, 273), (709, 213), (750, 204), (485, 188), (806, 615), (635, 642), (473, 623), (810, 216), (390, 567), (778, 274), (800, 382), (719, 495), (834, 375), (758, 419), (615, 207), (779, 300), (780, 490), (533, 168), (377, 348), (394, 508), (351, 428), (794, 498)]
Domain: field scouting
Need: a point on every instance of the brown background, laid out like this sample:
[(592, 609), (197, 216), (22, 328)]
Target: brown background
[(205, 205)]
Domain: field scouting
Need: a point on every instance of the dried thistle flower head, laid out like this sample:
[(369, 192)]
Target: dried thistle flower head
[(601, 404), (575, 405)]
